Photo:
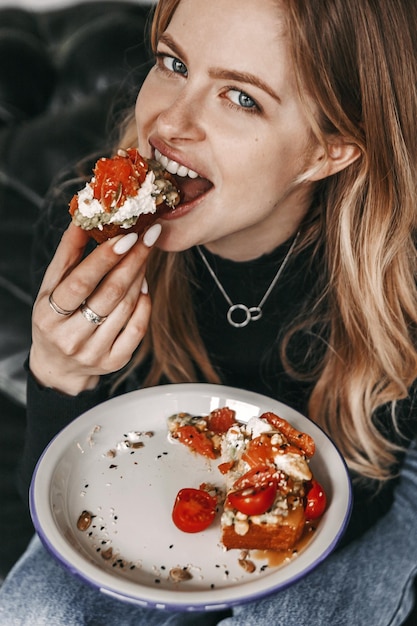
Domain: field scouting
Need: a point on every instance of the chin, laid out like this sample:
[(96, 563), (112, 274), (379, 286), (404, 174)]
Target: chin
[(168, 242)]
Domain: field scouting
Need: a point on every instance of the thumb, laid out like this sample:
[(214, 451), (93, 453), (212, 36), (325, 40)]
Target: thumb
[(67, 255)]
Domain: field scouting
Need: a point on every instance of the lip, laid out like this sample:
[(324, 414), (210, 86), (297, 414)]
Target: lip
[(176, 156)]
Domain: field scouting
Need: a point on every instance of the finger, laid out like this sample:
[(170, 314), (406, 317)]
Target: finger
[(134, 331), (75, 282), (111, 345), (117, 318), (120, 287), (68, 254), (104, 296)]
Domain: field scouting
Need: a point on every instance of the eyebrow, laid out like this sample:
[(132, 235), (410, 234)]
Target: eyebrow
[(225, 74), (244, 77), (168, 41)]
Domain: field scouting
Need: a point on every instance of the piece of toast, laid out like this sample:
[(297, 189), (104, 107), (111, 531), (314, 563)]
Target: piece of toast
[(280, 536)]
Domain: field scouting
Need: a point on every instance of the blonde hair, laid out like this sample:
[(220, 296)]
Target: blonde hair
[(356, 62)]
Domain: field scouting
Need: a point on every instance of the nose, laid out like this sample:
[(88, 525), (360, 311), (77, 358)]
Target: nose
[(182, 120)]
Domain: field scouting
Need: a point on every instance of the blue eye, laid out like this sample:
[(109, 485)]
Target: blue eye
[(175, 65), (241, 99)]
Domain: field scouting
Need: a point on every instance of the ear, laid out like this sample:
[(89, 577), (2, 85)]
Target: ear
[(337, 155)]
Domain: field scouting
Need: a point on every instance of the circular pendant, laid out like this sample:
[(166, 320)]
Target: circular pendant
[(244, 315)]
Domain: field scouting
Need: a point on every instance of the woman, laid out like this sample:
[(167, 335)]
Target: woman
[(296, 240)]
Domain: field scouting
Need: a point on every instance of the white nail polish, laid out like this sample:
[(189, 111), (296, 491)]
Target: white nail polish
[(152, 235), (144, 289), (125, 243)]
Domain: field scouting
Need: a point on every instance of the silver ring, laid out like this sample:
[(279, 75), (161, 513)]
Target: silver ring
[(55, 307), (91, 316)]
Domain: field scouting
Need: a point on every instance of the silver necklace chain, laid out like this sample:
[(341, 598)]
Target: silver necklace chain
[(252, 313)]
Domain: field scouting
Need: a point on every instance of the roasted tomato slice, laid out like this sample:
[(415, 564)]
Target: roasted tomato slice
[(194, 510), (196, 441), (253, 501), (316, 501), (258, 477), (118, 177), (259, 451), (220, 420)]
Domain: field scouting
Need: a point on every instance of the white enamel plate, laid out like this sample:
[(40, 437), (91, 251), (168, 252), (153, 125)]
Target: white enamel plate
[(117, 463)]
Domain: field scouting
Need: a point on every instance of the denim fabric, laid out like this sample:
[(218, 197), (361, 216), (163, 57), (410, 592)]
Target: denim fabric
[(367, 583)]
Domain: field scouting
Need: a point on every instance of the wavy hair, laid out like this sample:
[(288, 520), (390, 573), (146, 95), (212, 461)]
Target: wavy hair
[(355, 64)]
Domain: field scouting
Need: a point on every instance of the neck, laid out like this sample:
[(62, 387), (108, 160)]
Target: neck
[(242, 251)]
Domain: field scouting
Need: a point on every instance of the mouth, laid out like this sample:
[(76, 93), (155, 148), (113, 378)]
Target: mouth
[(190, 185)]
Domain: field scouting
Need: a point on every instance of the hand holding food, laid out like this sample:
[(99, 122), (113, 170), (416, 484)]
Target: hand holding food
[(90, 314), (99, 303)]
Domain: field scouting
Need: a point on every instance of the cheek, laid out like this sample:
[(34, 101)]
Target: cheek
[(143, 108), (140, 125), (149, 103), (262, 166), (267, 175)]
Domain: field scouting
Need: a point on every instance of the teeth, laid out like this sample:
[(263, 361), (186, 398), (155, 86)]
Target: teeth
[(182, 170), (163, 160), (173, 167)]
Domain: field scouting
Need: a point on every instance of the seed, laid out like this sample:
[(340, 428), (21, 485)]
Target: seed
[(248, 566), (118, 194), (84, 521), (172, 198), (160, 184), (107, 554), (179, 574)]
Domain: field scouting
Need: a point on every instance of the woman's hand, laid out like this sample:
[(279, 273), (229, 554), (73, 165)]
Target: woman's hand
[(71, 349)]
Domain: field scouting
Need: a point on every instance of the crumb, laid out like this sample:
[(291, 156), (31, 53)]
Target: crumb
[(180, 574)]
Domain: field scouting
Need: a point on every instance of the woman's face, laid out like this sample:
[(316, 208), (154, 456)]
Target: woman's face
[(221, 102)]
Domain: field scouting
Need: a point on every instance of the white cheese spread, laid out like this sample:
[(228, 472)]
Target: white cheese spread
[(90, 213)]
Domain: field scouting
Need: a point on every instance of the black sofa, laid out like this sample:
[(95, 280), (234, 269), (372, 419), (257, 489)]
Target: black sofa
[(66, 77)]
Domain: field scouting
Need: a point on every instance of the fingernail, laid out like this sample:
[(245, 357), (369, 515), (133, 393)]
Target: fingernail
[(152, 235), (125, 243), (144, 289)]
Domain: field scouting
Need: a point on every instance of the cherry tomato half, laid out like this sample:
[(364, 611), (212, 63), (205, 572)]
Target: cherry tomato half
[(194, 510), (316, 501), (252, 501)]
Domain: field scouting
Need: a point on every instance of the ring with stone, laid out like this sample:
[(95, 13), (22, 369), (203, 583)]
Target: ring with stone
[(92, 316)]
